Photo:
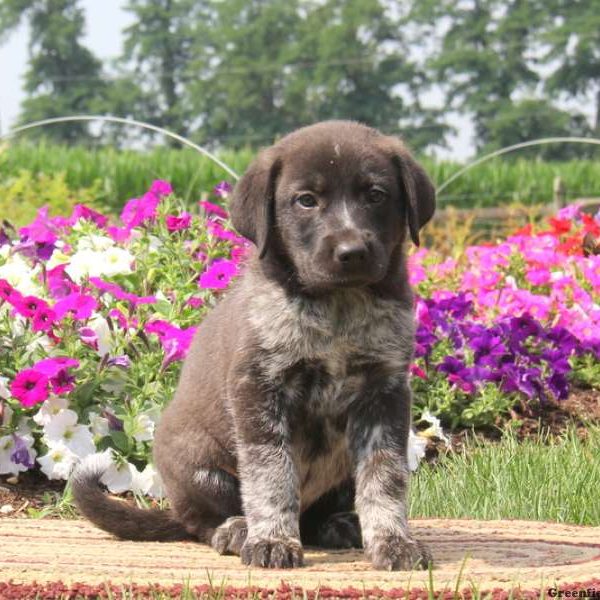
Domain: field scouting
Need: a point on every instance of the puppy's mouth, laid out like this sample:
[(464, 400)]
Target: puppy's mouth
[(327, 281)]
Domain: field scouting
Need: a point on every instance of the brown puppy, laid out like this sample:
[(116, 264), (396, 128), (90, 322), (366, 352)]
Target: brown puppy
[(293, 405)]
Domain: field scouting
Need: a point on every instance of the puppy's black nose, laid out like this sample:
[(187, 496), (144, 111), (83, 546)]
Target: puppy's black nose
[(351, 252)]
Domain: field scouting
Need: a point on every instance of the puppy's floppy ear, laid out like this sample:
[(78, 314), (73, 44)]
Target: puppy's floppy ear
[(417, 188), (252, 206)]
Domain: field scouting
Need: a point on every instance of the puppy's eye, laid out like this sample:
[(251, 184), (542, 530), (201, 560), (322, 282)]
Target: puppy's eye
[(376, 195), (307, 201)]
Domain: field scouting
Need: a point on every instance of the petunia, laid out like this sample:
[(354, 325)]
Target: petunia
[(21, 453), (64, 430), (30, 387), (27, 306), (213, 209), (178, 223), (79, 306), (160, 187), (223, 189), (218, 275), (58, 462)]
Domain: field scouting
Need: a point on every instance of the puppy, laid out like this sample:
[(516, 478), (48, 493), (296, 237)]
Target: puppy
[(294, 407)]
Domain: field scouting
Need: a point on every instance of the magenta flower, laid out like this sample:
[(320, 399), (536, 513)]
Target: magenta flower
[(218, 275), (9, 293), (43, 319), (41, 229), (119, 234), (214, 209), (139, 210), (27, 306), (30, 387), (81, 211), (59, 283), (217, 230), (161, 188), (119, 293), (89, 337), (52, 366), (80, 306), (178, 223), (195, 302)]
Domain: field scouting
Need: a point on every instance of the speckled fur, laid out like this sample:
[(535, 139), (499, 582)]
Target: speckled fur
[(294, 398)]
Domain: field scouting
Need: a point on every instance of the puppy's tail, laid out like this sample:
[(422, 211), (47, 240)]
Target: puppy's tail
[(116, 516)]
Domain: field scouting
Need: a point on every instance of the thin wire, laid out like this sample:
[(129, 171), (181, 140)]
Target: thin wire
[(507, 149), (123, 121)]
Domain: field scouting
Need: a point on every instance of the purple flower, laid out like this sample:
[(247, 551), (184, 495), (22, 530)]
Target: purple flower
[(20, 455), (558, 385), (223, 189), (122, 361)]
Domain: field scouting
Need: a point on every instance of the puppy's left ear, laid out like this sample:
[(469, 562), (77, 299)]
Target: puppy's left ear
[(252, 206), (416, 187)]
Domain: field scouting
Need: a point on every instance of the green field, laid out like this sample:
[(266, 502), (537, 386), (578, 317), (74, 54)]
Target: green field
[(122, 174)]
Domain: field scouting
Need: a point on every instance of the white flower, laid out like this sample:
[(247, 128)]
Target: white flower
[(119, 479), (98, 424), (59, 462), (155, 243), (116, 261), (416, 450), (4, 389), (85, 263), (435, 429), (142, 428), (148, 482), (21, 276), (106, 342), (63, 430), (50, 408), (95, 242)]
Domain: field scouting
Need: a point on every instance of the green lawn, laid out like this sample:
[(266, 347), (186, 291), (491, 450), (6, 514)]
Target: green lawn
[(543, 479)]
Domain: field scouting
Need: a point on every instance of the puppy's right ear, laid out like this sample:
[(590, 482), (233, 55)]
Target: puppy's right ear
[(252, 206)]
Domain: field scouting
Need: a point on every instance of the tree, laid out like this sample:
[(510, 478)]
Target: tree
[(280, 64), (63, 77), (482, 58), (572, 35), (159, 45)]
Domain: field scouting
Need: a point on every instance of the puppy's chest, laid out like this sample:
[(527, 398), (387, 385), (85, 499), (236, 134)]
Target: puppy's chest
[(320, 353)]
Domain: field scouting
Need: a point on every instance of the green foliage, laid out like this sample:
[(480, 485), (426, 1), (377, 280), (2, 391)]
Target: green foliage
[(546, 479), (24, 193)]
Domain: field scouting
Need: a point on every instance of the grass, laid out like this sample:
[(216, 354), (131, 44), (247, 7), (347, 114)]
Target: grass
[(123, 174), (546, 479)]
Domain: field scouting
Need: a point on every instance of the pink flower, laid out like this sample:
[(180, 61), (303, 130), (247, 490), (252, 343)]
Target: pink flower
[(41, 229), (218, 275), (538, 276), (195, 302), (29, 305), (30, 387), (178, 223), (119, 317), (52, 366), (81, 211), (211, 208), (59, 283), (9, 293), (416, 370), (119, 234), (139, 210), (217, 230), (161, 188), (119, 293), (89, 337), (80, 306), (43, 319)]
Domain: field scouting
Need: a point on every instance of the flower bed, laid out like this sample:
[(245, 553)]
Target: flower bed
[(95, 318)]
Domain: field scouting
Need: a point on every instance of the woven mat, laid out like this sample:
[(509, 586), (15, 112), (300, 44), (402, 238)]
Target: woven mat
[(500, 554)]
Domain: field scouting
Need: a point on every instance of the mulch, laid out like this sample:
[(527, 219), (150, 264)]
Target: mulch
[(71, 558)]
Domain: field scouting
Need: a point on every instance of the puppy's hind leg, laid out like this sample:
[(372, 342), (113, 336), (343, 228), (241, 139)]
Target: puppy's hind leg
[(206, 502)]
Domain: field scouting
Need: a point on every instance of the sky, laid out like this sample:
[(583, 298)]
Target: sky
[(105, 21)]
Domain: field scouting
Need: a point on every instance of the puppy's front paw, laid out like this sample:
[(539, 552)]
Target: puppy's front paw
[(397, 553), (229, 537), (273, 553)]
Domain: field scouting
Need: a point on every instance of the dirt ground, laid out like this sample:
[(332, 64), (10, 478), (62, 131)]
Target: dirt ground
[(31, 492)]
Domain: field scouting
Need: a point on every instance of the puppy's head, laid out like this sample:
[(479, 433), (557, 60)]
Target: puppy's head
[(334, 201)]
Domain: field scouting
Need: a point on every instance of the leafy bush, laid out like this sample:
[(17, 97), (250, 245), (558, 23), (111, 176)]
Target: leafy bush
[(22, 195), (95, 318)]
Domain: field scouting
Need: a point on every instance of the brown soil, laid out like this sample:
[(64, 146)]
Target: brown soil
[(33, 492)]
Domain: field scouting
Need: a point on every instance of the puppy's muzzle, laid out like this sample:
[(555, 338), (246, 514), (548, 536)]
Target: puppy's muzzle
[(351, 253)]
